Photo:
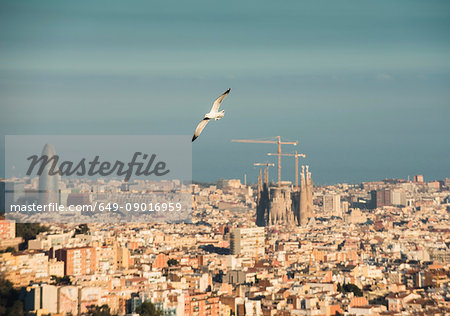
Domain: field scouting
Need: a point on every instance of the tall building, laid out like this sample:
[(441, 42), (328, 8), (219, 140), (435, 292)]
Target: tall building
[(263, 199), (8, 235), (306, 209), (332, 204), (7, 229), (106, 258), (123, 258), (398, 198), (41, 297), (48, 184), (418, 178), (380, 198), (309, 196), (303, 200), (78, 261), (344, 207), (248, 241)]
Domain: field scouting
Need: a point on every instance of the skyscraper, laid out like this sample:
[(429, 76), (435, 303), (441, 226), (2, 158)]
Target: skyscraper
[(332, 204), (48, 184), (309, 196), (303, 218), (380, 198)]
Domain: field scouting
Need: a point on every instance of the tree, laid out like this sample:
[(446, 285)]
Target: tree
[(353, 288), (172, 262), (9, 303), (16, 309), (95, 310), (29, 231), (82, 229), (148, 309), (9, 249), (65, 280), (346, 288)]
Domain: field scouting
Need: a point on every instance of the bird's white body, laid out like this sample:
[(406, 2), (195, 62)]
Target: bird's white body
[(214, 114)]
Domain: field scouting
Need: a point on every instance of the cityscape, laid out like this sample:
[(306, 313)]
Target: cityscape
[(141, 174), (375, 248)]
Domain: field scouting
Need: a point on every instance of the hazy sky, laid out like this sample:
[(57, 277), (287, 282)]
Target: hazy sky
[(363, 85)]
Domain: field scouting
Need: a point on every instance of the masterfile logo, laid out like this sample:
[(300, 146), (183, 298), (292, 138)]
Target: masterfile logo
[(97, 167), (98, 178)]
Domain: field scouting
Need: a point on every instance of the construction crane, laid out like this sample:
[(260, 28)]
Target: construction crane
[(276, 141), (296, 155), (266, 169)]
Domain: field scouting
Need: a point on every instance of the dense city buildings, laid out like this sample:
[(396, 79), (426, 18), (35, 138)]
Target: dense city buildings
[(378, 248)]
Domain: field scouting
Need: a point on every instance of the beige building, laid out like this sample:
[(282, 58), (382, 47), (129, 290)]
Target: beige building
[(106, 259), (248, 241), (332, 204), (55, 268), (22, 267), (42, 299), (123, 258)]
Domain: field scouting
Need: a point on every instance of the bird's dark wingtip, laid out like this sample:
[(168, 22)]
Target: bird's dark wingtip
[(228, 91), (194, 138)]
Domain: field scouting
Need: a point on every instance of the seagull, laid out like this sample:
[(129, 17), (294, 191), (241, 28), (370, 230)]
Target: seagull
[(213, 114)]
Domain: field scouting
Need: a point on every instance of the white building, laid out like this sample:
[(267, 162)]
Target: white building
[(332, 204), (41, 297), (398, 197), (248, 241)]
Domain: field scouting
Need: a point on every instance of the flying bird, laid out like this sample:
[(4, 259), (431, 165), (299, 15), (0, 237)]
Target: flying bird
[(213, 114)]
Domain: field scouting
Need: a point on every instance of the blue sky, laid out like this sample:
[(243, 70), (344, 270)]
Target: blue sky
[(363, 85)]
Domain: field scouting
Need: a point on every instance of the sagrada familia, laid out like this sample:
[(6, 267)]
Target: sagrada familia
[(284, 205)]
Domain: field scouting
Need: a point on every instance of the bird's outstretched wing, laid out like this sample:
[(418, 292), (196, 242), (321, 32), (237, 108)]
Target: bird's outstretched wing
[(219, 100), (200, 128)]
